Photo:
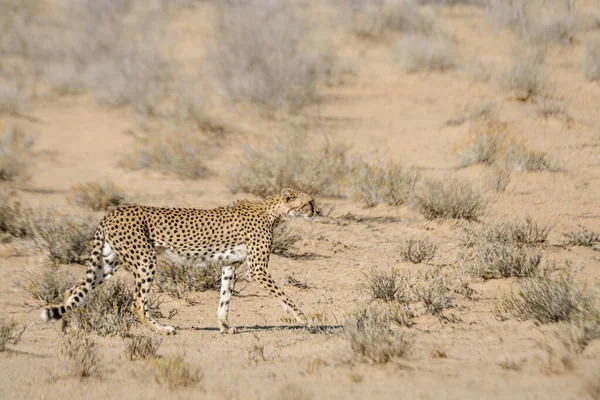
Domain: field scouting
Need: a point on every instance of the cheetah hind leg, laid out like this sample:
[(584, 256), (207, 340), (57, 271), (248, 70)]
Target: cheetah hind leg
[(227, 284)]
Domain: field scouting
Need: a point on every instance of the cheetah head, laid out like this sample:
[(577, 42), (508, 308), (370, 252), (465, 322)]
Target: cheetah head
[(299, 204)]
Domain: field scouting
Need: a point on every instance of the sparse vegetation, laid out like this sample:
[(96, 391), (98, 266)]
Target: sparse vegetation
[(178, 277), (284, 241), (401, 314), (512, 364), (519, 157), (265, 168), (369, 334), (389, 286), (256, 352), (290, 280), (10, 333), (175, 372), (49, 286), (526, 76), (434, 291), (498, 179), (437, 351), (13, 219), (426, 53), (485, 143), (448, 198), (374, 183), (591, 60), (97, 196), (81, 355), (527, 233), (501, 260), (551, 108), (418, 250), (141, 347), (15, 149), (582, 237)]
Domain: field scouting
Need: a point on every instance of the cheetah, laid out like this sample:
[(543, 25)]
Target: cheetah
[(227, 236)]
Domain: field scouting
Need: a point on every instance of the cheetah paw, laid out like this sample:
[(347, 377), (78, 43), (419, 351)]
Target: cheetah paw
[(166, 330), (230, 330)]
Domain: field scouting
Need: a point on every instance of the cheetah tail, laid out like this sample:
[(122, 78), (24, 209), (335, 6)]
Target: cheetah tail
[(52, 313)]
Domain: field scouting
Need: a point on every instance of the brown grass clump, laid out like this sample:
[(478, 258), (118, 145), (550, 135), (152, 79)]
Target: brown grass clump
[(50, 285), (374, 183), (141, 347), (13, 219), (369, 334), (81, 355), (583, 237), (526, 76), (264, 169), (500, 260), (389, 286), (591, 60), (449, 198), (181, 153), (9, 333), (527, 233), (178, 277), (426, 53), (15, 149), (545, 300), (418, 250), (175, 372), (433, 290), (97, 196)]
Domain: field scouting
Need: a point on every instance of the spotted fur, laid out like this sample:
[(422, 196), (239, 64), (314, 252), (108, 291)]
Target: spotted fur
[(228, 236)]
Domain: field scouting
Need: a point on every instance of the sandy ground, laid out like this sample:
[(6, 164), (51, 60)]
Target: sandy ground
[(381, 106)]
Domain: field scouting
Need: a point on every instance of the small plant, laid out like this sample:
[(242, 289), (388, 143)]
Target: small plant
[(519, 157), (545, 300), (13, 219), (9, 333), (175, 372), (284, 241), (525, 76), (292, 281), (591, 60), (512, 364), (389, 286), (418, 250), (449, 198), (498, 179), (181, 153), (15, 148), (256, 353), (141, 347), (582, 237), (81, 354), (550, 108), (388, 183), (426, 53), (527, 233), (369, 334), (500, 260), (485, 143), (97, 196), (437, 351), (434, 291), (50, 285), (179, 277), (401, 314)]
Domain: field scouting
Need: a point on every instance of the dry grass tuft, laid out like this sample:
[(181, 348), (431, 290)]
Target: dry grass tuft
[(13, 219), (290, 280), (50, 285), (433, 290), (264, 169), (175, 372), (526, 76), (369, 334), (389, 286), (388, 183), (141, 347), (15, 149), (437, 351), (178, 277), (401, 314), (81, 355), (582, 237), (527, 233), (426, 53), (418, 250), (449, 198), (551, 108), (545, 300), (181, 153), (97, 196), (10, 333), (498, 179), (512, 364), (591, 60), (503, 260), (519, 157), (284, 242)]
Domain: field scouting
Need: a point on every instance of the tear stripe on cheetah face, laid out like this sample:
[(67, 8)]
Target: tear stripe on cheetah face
[(227, 235)]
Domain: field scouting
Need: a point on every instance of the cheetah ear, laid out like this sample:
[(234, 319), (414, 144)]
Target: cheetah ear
[(288, 194)]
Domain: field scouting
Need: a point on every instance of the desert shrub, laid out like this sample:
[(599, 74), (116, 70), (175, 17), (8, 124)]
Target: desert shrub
[(49, 286), (13, 219), (519, 157), (448, 198), (265, 168), (545, 300), (498, 179), (141, 347), (284, 241), (178, 277), (485, 143), (501, 260), (15, 147), (591, 60), (372, 18), (426, 53), (526, 76), (106, 310), (369, 334), (175, 372), (527, 233), (266, 54), (181, 153), (582, 237), (374, 183), (389, 286), (484, 111), (418, 250), (81, 355), (9, 333), (63, 236), (433, 290), (401, 314), (550, 108), (97, 196)]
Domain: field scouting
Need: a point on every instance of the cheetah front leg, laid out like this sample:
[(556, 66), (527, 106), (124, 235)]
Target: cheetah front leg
[(227, 283)]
